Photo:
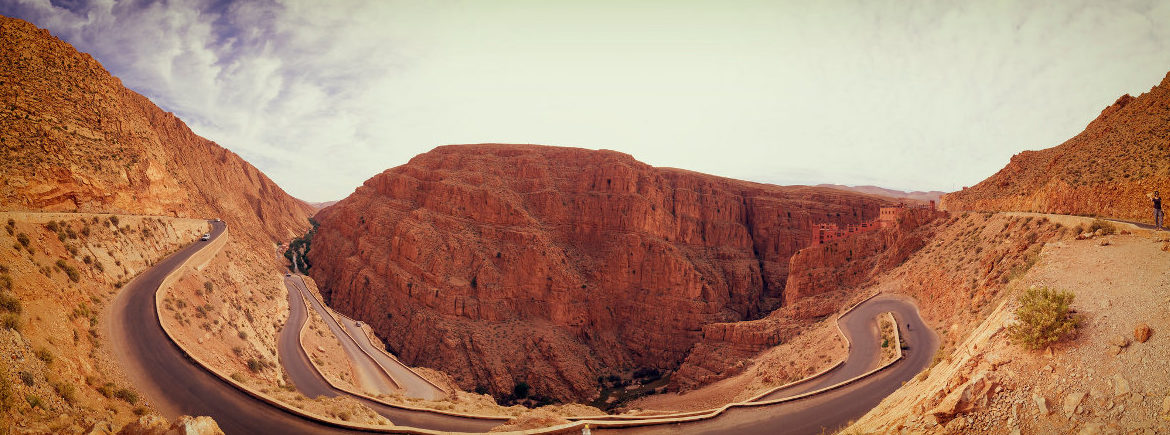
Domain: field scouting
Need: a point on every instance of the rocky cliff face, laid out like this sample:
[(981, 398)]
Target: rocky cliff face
[(75, 139), (509, 263), (1109, 169), (854, 260)]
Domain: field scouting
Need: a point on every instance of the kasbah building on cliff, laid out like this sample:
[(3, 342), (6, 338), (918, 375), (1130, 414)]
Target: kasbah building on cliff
[(888, 217)]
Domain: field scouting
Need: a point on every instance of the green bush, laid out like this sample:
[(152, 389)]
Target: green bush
[(26, 378), (9, 303), (66, 390), (1044, 318), (127, 395), (22, 238), (10, 321), (74, 275), (34, 401), (106, 389), (1099, 224), (6, 391), (521, 390), (44, 355), (255, 365)]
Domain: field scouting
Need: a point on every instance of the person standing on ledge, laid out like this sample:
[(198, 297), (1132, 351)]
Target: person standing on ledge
[(1157, 211)]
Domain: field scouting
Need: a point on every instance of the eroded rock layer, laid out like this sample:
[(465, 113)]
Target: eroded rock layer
[(1110, 169), (502, 264), (74, 139)]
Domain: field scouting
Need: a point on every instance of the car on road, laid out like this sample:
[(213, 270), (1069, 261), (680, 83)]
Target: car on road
[(286, 275), (205, 237), (359, 324)]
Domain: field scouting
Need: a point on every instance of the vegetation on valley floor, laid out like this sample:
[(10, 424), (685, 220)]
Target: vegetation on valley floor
[(298, 250)]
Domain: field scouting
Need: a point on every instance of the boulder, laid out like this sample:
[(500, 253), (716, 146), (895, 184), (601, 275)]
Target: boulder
[(1142, 332), (1092, 429), (1120, 386), (1119, 341), (1072, 401), (100, 428), (972, 395), (150, 424), (1041, 403), (187, 425)]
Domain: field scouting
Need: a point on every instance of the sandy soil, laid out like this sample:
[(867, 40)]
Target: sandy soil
[(886, 325), (1087, 384), (810, 352), (231, 314), (326, 353)]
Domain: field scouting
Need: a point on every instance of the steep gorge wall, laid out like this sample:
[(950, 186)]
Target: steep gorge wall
[(74, 139), (507, 263), (854, 260), (1108, 170)]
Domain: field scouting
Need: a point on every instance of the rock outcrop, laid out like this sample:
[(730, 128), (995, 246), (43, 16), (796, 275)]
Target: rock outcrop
[(75, 139), (1110, 169), (502, 264), (854, 260)]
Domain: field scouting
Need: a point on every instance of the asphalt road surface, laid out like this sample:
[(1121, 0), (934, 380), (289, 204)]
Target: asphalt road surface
[(370, 376), (175, 386), (309, 381), (171, 382), (412, 384), (401, 376), (829, 411)]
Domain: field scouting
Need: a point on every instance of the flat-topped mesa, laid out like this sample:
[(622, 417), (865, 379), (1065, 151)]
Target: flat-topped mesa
[(1109, 169), (502, 264)]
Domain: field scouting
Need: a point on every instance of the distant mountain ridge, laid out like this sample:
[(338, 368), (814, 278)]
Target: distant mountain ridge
[(932, 195), (1109, 169)]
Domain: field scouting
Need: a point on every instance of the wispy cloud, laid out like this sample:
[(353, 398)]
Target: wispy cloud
[(925, 95)]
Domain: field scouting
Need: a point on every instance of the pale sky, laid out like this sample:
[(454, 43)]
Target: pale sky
[(912, 95)]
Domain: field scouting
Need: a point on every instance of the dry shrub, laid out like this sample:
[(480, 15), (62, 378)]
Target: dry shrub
[(1044, 318), (1099, 224)]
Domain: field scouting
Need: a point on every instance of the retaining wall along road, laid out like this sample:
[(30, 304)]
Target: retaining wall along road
[(200, 259)]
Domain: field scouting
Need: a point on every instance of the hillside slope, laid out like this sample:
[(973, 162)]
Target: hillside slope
[(75, 139), (80, 154), (1107, 170), (502, 264)]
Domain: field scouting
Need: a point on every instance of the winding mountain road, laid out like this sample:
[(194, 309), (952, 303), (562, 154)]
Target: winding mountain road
[(372, 378), (176, 386), (412, 384), (309, 381), (832, 409), (171, 382)]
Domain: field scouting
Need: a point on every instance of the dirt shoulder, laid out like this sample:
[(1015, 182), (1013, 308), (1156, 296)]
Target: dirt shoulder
[(1121, 283)]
